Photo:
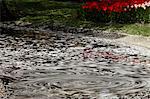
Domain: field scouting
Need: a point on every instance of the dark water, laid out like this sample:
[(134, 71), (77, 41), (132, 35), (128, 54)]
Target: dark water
[(64, 66)]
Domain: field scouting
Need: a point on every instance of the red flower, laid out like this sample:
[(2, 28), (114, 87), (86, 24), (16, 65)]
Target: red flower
[(111, 5)]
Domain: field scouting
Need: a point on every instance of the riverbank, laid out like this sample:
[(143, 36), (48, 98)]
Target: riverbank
[(40, 12)]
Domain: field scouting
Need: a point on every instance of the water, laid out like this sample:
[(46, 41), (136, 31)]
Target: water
[(71, 66)]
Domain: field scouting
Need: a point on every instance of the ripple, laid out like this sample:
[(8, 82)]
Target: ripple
[(82, 83)]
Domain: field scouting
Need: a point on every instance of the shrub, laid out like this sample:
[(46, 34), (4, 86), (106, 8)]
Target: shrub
[(117, 10)]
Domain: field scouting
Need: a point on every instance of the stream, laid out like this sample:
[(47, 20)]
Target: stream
[(61, 65)]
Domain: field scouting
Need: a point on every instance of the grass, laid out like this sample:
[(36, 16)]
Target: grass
[(137, 29), (133, 29), (66, 13)]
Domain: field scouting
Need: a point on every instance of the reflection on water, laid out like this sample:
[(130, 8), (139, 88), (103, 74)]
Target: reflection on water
[(54, 66)]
